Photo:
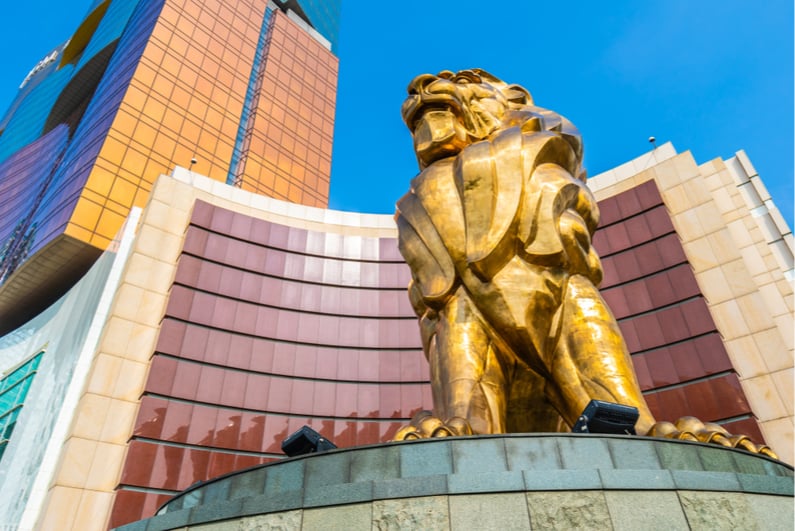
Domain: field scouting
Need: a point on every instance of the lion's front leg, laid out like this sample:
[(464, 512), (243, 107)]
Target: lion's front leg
[(467, 378), (590, 359)]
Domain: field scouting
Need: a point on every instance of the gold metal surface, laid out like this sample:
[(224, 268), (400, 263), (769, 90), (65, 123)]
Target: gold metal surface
[(497, 230)]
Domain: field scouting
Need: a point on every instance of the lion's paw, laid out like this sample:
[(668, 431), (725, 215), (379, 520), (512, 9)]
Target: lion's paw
[(692, 429), (424, 425)]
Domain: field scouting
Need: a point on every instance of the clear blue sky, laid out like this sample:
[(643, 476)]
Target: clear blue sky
[(712, 77)]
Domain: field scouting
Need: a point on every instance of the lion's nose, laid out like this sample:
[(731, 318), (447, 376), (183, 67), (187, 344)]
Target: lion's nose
[(419, 83)]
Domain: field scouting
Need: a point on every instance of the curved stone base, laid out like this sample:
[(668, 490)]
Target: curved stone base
[(557, 481)]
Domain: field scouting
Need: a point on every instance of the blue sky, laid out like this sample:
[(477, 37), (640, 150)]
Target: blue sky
[(712, 77)]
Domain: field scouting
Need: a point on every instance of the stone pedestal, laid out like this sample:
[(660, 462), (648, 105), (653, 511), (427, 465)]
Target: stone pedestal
[(520, 481)]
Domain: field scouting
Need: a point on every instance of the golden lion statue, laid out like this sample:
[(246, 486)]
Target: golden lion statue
[(497, 232)]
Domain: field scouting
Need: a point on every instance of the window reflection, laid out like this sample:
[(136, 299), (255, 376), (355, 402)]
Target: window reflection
[(14, 387)]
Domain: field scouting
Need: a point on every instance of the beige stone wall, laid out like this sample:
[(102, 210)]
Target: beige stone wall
[(741, 253), (562, 510), (81, 493)]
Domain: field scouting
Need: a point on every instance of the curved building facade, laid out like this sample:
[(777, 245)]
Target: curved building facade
[(270, 326), (235, 319)]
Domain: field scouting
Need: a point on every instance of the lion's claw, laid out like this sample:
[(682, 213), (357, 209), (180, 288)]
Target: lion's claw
[(692, 429), (424, 425)]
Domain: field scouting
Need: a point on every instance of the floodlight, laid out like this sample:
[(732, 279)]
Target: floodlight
[(306, 441), (606, 417)]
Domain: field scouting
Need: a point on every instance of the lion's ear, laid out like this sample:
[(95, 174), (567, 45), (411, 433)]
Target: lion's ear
[(517, 95), (488, 78)]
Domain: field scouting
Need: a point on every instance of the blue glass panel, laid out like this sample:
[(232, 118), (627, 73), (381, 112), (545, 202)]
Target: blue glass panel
[(39, 72), (237, 166), (14, 394), (8, 399), (15, 387), (24, 178), (9, 428), (324, 16), (110, 29), (27, 122), (8, 421)]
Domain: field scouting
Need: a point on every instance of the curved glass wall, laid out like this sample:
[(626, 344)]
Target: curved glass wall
[(14, 389)]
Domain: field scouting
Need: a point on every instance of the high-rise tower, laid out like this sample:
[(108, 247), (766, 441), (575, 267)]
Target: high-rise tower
[(242, 92)]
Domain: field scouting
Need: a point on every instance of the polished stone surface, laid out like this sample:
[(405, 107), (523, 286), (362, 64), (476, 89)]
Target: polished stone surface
[(535, 477)]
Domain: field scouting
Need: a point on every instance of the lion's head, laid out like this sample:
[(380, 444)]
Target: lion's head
[(449, 111)]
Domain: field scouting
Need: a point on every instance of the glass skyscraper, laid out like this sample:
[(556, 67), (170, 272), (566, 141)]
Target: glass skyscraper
[(242, 92)]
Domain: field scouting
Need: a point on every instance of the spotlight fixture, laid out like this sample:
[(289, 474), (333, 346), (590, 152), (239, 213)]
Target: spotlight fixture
[(606, 417), (306, 441), (653, 141)]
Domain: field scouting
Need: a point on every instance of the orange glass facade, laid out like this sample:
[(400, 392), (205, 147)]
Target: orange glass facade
[(289, 155), (185, 101), (242, 92)]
